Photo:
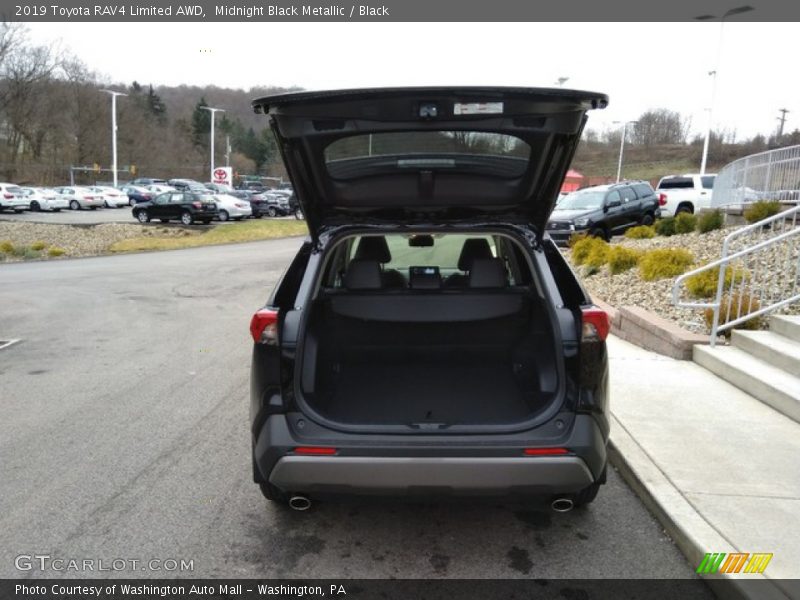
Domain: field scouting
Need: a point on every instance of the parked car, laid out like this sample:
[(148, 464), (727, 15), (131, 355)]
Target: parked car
[(187, 184), (429, 338), (277, 204), (186, 207), (80, 197), (252, 185), (12, 198), (603, 210), (137, 194), (219, 188), (157, 189), (231, 207), (112, 197), (145, 181), (258, 201), (44, 199), (685, 193)]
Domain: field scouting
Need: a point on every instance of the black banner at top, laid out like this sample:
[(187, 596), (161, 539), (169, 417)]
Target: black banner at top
[(397, 10)]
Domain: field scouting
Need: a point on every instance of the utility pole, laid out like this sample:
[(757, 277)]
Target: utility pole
[(782, 119)]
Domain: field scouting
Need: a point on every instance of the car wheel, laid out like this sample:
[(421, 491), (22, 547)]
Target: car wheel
[(142, 216), (684, 208), (187, 218), (35, 206), (599, 232), (648, 219), (272, 212), (74, 205), (223, 215)]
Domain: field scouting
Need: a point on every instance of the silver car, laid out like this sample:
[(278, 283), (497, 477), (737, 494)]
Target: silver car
[(80, 197), (112, 197), (44, 199), (11, 198)]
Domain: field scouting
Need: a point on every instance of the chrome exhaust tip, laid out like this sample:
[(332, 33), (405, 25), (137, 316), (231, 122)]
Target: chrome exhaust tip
[(299, 503), (562, 505)]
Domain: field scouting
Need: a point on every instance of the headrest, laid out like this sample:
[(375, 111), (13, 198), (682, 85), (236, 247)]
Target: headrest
[(473, 248), (373, 247), (363, 275), (487, 273)]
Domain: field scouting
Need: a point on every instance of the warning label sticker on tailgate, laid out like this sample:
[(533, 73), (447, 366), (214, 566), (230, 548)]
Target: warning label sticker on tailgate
[(478, 108)]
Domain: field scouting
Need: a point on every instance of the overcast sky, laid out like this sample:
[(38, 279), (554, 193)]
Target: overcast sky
[(639, 65)]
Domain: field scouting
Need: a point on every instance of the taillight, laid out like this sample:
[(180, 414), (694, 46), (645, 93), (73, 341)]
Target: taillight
[(197, 204), (241, 205), (544, 451), (595, 325), (264, 327), (662, 199), (88, 197), (315, 450), (8, 196)]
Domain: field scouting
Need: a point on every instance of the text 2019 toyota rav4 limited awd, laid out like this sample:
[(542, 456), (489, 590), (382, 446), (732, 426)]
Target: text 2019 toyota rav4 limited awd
[(429, 338)]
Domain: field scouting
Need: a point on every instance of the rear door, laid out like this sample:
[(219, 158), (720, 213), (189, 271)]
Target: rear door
[(631, 205), (428, 154)]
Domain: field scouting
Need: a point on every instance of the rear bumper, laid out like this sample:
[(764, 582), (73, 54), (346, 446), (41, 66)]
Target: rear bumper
[(489, 465), (445, 475)]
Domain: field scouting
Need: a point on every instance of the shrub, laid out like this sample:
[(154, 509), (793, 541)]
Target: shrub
[(664, 262), (685, 223), (6, 247), (621, 259), (55, 251), (665, 226), (749, 304), (704, 284), (575, 238), (583, 247), (710, 220), (641, 232), (761, 210), (38, 246), (598, 255)]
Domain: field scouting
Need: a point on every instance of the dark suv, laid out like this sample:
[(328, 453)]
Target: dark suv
[(428, 339), (603, 210), (186, 207)]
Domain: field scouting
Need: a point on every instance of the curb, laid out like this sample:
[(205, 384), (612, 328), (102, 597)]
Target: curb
[(693, 535)]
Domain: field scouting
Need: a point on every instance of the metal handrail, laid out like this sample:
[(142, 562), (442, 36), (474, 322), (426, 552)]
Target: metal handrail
[(787, 219)]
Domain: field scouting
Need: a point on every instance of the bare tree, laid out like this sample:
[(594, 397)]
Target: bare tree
[(660, 127)]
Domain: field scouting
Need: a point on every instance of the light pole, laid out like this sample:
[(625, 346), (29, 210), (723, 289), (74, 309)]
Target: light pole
[(561, 81), (733, 11), (621, 144), (213, 112), (114, 129)]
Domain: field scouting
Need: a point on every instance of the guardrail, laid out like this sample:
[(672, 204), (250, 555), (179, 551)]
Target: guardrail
[(759, 272), (771, 175)]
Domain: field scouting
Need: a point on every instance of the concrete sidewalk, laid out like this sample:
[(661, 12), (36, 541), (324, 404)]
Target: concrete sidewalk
[(720, 469)]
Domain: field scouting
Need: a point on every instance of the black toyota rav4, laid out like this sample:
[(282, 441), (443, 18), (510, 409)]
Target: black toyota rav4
[(429, 339)]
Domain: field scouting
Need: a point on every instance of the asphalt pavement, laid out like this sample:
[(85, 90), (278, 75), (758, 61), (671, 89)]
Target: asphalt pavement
[(124, 435), (122, 214)]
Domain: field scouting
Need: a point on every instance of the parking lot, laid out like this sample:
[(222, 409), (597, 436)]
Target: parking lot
[(73, 217), (133, 443)]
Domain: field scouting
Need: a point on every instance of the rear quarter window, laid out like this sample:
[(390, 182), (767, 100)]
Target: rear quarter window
[(643, 190)]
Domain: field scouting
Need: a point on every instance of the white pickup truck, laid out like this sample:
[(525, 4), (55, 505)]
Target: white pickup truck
[(684, 193)]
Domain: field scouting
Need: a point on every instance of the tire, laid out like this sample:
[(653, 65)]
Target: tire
[(35, 206), (684, 208), (106, 204), (187, 218), (599, 232), (224, 216), (271, 212), (74, 205), (648, 219), (142, 216)]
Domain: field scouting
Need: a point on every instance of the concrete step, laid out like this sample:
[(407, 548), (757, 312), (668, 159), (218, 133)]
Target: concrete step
[(771, 347), (771, 385), (787, 326)]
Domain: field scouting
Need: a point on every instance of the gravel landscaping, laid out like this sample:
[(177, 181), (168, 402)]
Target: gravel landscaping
[(629, 289)]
